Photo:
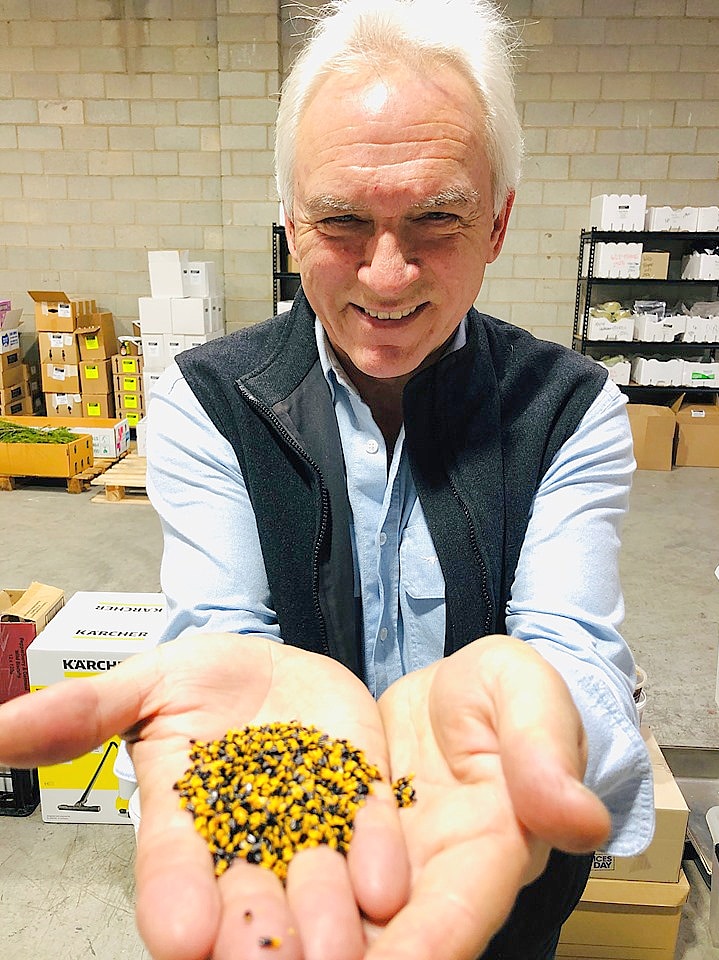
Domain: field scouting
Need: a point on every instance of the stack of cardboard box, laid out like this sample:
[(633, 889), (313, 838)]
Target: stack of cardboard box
[(185, 309), (632, 906), (19, 381), (76, 342), (127, 369)]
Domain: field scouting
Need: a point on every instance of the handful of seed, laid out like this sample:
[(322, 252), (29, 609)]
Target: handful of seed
[(264, 793)]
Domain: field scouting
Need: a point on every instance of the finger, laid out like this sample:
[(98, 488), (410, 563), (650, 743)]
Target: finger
[(377, 859), (178, 900), (504, 686), (460, 900), (320, 895), (255, 917)]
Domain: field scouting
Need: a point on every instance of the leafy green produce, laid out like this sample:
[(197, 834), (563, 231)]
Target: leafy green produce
[(17, 433)]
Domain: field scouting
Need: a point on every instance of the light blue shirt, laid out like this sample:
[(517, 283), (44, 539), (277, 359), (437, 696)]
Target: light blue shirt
[(566, 599)]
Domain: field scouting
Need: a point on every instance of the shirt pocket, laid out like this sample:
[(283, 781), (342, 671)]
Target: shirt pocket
[(421, 597)]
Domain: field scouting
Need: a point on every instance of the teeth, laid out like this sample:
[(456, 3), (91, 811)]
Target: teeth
[(398, 315)]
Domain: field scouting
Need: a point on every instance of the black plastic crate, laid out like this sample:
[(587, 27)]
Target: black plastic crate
[(19, 792)]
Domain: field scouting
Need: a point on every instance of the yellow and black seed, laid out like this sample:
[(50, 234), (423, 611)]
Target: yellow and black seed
[(265, 792)]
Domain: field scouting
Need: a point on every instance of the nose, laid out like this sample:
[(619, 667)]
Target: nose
[(386, 270)]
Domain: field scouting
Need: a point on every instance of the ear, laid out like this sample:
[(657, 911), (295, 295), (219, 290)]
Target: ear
[(499, 229), (290, 235)]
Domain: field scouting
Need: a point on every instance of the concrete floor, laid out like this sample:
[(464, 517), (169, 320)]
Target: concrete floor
[(66, 891)]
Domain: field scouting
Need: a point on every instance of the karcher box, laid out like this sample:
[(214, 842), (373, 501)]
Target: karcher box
[(698, 435), (625, 920), (90, 635), (661, 861)]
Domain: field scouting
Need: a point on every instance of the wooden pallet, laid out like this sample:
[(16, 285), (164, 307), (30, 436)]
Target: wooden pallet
[(125, 481), (75, 484)]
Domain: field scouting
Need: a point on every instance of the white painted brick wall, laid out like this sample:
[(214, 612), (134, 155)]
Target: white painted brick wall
[(117, 136)]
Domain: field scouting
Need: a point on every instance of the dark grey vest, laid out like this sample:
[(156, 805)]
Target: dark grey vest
[(482, 427)]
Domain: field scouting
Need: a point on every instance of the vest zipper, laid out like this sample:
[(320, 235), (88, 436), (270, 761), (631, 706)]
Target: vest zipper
[(477, 554), (268, 414)]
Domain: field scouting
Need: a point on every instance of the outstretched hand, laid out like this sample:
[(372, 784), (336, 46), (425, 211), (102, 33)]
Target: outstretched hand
[(498, 752), (199, 688)]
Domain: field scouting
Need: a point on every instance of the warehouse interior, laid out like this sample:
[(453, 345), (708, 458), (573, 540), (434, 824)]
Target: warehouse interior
[(147, 125)]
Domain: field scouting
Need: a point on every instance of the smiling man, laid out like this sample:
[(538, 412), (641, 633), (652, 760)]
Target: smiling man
[(393, 517)]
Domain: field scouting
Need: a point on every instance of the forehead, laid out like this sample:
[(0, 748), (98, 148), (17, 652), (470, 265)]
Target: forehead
[(397, 130)]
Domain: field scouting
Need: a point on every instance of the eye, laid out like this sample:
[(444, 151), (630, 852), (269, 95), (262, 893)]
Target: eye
[(439, 216), (340, 221)]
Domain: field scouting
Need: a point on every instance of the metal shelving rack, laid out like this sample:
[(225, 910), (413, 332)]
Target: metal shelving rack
[(587, 296), (285, 283)]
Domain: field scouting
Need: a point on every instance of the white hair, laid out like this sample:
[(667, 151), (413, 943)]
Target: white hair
[(470, 35)]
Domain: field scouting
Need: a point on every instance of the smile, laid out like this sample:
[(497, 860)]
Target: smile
[(395, 315)]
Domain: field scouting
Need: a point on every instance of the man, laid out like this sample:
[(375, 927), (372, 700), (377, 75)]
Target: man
[(422, 504)]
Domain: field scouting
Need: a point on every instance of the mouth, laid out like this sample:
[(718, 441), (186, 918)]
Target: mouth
[(385, 315)]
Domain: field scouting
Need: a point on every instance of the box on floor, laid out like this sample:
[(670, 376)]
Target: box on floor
[(23, 614), (653, 429), (110, 437), (91, 634), (698, 435)]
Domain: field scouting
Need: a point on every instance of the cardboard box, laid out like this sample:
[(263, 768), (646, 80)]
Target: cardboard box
[(17, 392), (174, 344), (122, 363), (653, 435), (128, 403), (60, 377), (12, 369), (602, 328), (625, 920), (128, 383), (698, 374), (155, 315), (619, 371), (654, 266), (58, 313), (9, 319), (96, 376), (141, 437), (46, 459), (58, 347), (131, 346), (91, 634), (618, 260), (165, 267), (662, 860), (110, 437), (153, 352), (133, 417), (63, 404), (708, 219), (657, 373), (697, 435), (98, 405), (665, 218), (96, 336), (23, 614), (17, 408)]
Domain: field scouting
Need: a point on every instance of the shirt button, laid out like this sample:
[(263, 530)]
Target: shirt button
[(372, 446), (382, 539), (383, 633)]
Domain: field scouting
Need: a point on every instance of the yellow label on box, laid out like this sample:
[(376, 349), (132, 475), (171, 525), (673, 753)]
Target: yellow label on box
[(128, 364), (91, 342), (129, 383), (94, 409), (131, 402), (133, 419), (92, 373)]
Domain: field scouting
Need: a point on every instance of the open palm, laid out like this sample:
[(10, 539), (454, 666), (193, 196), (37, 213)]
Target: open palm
[(199, 688), (498, 752)]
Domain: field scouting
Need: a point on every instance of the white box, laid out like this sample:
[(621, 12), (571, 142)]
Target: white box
[(9, 340), (695, 330), (708, 219), (155, 315), (174, 344), (192, 315), (618, 260), (197, 339), (602, 328), (618, 211), (141, 435), (651, 329), (92, 633), (109, 441), (619, 372), (657, 373), (682, 219), (153, 352), (218, 314), (149, 379), (166, 268), (700, 374), (199, 279), (700, 266)]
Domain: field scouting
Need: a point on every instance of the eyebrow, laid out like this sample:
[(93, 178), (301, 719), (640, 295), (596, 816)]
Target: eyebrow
[(329, 205)]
